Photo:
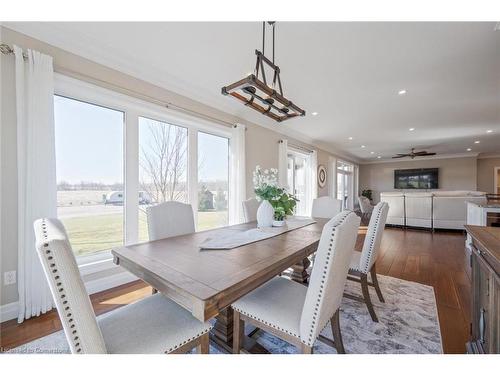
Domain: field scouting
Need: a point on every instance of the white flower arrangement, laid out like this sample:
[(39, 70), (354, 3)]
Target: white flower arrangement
[(265, 178)]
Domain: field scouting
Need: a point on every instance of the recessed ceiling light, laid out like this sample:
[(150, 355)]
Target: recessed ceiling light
[(476, 142), (402, 92), (469, 149), (372, 152), (314, 113), (378, 157), (350, 138), (363, 146), (489, 131), (411, 129)]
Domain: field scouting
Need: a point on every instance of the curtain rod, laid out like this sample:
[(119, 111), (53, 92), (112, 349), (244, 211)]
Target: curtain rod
[(138, 95), (8, 50), (292, 145)]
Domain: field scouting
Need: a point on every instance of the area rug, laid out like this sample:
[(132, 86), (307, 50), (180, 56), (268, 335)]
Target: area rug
[(408, 324)]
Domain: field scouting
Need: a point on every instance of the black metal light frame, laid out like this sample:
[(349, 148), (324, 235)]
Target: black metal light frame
[(257, 94)]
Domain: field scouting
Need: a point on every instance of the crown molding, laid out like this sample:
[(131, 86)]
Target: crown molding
[(489, 155), (434, 157)]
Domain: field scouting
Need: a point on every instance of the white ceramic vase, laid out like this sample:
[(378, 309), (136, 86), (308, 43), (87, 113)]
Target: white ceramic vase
[(265, 215)]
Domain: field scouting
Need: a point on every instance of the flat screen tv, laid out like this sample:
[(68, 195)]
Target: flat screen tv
[(424, 178)]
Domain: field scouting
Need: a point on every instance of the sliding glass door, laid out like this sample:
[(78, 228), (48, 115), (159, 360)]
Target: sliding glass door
[(345, 184), (297, 180)]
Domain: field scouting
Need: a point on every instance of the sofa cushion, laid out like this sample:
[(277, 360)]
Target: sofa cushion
[(458, 193), (419, 194), (392, 194)]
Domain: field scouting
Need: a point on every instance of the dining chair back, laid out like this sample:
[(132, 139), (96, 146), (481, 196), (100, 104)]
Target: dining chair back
[(373, 237), (326, 207), (69, 293), (250, 207), (364, 263), (170, 219), (364, 205), (329, 274), (153, 324)]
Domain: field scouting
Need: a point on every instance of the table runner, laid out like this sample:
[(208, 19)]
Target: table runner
[(238, 239)]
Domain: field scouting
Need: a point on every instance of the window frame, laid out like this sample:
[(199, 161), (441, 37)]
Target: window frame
[(229, 176), (307, 155), (345, 172), (133, 108)]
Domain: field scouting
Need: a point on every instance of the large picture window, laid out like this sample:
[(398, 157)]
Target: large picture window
[(163, 164), (213, 181), (89, 165), (117, 155)]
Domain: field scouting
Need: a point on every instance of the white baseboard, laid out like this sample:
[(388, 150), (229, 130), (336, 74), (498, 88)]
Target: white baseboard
[(108, 282), (9, 311)]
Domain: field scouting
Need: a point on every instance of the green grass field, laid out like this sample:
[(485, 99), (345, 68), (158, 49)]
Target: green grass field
[(89, 234)]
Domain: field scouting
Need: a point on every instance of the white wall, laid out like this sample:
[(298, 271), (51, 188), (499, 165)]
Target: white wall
[(486, 174), (454, 174)]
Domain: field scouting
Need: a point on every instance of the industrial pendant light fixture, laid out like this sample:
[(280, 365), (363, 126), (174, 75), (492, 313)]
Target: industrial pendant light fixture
[(255, 92)]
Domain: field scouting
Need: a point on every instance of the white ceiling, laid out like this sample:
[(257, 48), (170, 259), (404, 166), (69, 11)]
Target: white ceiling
[(350, 73)]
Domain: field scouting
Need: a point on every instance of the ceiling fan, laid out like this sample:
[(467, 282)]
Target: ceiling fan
[(414, 154)]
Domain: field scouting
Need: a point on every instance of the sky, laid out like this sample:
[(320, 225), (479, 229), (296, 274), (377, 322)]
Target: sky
[(89, 144)]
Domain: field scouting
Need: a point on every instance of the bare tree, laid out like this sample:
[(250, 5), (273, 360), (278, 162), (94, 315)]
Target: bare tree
[(163, 162)]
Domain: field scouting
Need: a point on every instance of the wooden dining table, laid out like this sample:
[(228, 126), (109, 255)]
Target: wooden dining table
[(207, 282)]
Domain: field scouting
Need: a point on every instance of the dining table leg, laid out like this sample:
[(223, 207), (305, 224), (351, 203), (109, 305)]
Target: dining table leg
[(223, 328), (299, 271), (222, 334)]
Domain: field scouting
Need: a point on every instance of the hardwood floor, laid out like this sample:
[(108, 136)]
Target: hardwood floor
[(437, 259)]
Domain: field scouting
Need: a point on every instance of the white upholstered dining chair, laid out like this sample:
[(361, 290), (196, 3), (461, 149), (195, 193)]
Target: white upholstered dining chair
[(365, 206), (326, 207), (169, 219), (250, 207), (154, 324), (297, 313), (363, 263)]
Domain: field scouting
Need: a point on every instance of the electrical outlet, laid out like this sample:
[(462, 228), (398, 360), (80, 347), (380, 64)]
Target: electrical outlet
[(9, 278)]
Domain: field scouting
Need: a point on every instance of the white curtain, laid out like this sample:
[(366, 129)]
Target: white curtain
[(283, 163), (332, 177), (312, 180), (36, 173), (238, 175)]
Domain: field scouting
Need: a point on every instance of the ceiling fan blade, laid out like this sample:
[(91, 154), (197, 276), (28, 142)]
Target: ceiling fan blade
[(420, 153), (428, 154)]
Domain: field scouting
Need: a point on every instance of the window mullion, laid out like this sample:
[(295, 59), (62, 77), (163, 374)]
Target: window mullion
[(193, 171), (131, 177)]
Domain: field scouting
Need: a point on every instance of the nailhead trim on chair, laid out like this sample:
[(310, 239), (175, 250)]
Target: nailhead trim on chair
[(265, 322), (186, 341), (317, 304), (47, 252), (372, 241), (311, 339)]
